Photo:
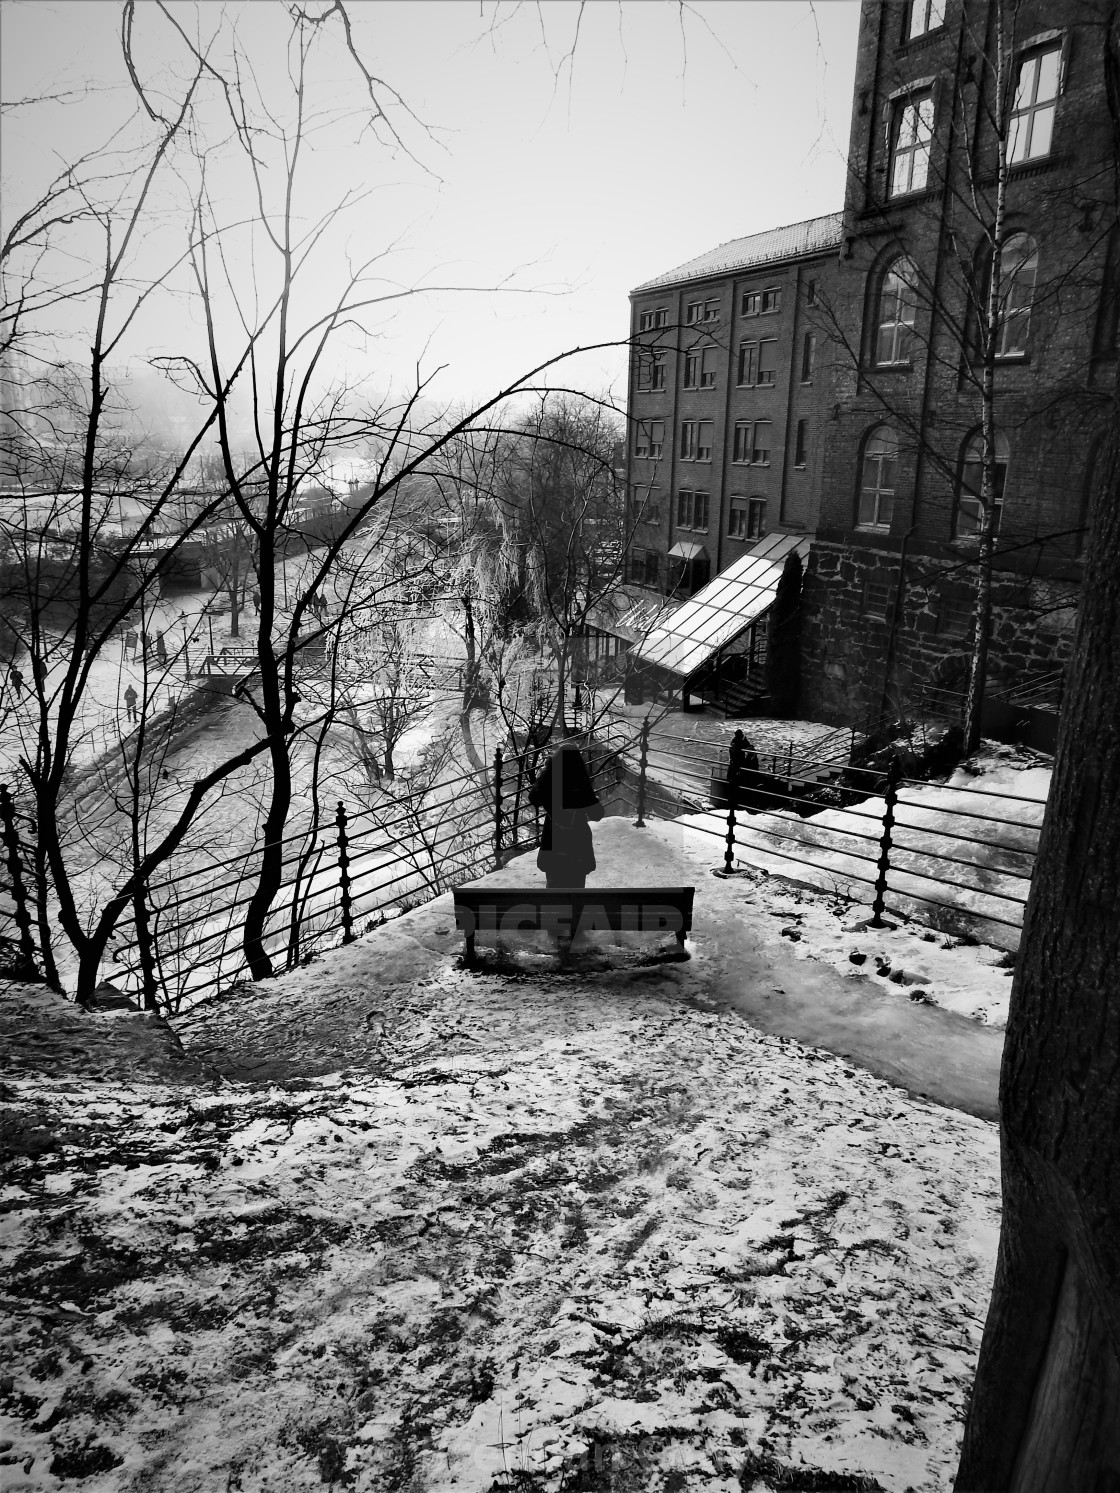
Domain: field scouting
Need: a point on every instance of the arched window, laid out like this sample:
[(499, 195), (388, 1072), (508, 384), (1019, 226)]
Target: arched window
[(877, 479), (970, 506), (895, 312), (1018, 272)]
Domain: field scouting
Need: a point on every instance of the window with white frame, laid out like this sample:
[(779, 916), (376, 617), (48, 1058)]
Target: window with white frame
[(692, 510), (704, 430), (648, 321), (694, 311), (760, 445), (771, 300), (878, 475), (911, 138), (1017, 276), (711, 309), (801, 444), (897, 311), (767, 361), (689, 432), (970, 504), (748, 364), (741, 446), (751, 303), (1036, 102), (925, 15)]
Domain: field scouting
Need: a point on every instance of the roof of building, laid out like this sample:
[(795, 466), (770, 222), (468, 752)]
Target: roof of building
[(795, 240), (722, 609)]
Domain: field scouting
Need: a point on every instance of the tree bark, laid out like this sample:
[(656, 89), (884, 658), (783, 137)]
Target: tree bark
[(1045, 1411)]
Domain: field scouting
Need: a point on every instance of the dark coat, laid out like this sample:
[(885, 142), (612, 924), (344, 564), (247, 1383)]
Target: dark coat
[(564, 792)]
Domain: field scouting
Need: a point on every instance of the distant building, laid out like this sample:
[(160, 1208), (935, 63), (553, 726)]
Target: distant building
[(725, 403)]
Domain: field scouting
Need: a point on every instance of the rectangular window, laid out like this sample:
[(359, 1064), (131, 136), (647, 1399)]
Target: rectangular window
[(756, 518), (694, 311), (1036, 99), (692, 511), (810, 292), (711, 310), (760, 449), (649, 439), (700, 369), (651, 567), (771, 300), (955, 615), (767, 362), (808, 357), (649, 320), (689, 429), (925, 15), (651, 371), (748, 363), (801, 445), (876, 598), (704, 440), (747, 519), (741, 450), (911, 137), (752, 303)]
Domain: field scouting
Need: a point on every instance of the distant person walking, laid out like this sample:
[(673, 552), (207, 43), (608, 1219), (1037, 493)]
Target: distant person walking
[(15, 679), (130, 698), (161, 648), (565, 795)]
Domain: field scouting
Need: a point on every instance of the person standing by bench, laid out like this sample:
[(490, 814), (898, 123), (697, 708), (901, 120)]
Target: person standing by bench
[(564, 793)]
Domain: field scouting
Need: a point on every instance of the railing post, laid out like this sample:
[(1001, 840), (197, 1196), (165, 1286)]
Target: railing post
[(894, 772), (345, 900), (643, 756), (734, 758), (26, 967), (497, 809)]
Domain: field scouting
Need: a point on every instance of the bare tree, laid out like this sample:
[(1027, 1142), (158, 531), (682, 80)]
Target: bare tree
[(271, 306)]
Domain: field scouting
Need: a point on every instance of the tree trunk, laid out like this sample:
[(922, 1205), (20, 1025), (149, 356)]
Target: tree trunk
[(1045, 1411)]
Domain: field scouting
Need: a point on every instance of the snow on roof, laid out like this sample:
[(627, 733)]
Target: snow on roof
[(811, 236), (722, 609)]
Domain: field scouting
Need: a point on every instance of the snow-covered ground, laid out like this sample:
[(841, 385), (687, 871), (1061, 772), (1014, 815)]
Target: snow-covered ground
[(521, 1227)]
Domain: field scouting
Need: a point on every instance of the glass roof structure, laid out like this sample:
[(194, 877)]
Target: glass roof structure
[(721, 610)]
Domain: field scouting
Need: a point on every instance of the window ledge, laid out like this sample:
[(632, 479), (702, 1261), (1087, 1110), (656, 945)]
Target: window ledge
[(912, 44)]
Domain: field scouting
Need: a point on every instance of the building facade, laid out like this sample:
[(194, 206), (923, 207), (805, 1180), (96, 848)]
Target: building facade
[(911, 336), (725, 403)]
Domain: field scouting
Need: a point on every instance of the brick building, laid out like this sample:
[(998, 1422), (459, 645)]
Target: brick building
[(725, 403), (855, 344), (888, 600)]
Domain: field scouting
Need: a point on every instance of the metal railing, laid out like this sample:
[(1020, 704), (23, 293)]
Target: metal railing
[(958, 859)]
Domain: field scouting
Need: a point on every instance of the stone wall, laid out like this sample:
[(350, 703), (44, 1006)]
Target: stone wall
[(851, 673)]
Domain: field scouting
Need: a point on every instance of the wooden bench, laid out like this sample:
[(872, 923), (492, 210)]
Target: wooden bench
[(566, 913)]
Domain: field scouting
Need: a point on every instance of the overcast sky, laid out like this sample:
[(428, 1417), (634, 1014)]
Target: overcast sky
[(570, 177)]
